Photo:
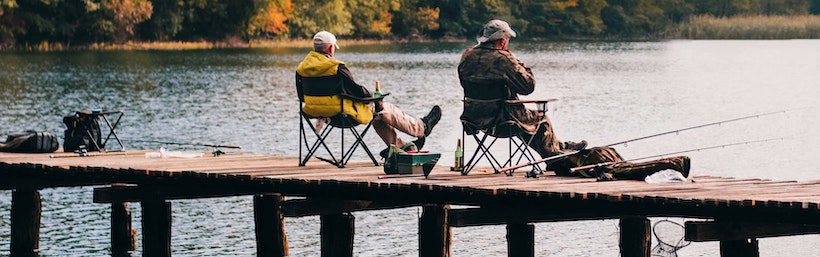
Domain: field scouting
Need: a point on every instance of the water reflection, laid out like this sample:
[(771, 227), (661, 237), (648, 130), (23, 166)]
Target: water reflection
[(608, 92)]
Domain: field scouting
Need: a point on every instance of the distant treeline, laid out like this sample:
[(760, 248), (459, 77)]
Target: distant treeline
[(30, 24)]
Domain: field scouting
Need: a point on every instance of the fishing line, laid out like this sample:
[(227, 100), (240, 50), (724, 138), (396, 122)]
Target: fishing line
[(677, 131)]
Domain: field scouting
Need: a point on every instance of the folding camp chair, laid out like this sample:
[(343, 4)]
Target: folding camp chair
[(340, 120), (485, 138)]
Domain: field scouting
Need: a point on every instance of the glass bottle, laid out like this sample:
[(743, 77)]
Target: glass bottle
[(459, 163), (376, 94)]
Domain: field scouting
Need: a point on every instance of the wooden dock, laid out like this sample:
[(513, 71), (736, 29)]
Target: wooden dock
[(737, 211)]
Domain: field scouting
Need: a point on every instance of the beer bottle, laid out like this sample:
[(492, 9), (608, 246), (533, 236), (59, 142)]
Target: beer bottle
[(459, 163), (376, 94)]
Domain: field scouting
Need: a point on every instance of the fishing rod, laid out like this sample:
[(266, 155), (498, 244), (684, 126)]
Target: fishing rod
[(177, 143), (596, 165), (557, 157)]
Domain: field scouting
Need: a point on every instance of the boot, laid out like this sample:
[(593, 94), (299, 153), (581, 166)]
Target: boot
[(431, 120), (682, 166), (569, 145), (419, 142)]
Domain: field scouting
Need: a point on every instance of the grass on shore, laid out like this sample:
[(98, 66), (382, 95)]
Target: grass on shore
[(750, 27), (180, 45)]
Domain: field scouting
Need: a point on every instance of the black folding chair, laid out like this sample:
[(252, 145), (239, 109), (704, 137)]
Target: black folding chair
[(486, 137), (341, 120)]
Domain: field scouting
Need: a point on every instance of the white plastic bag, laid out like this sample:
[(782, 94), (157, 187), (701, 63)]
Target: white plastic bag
[(665, 176)]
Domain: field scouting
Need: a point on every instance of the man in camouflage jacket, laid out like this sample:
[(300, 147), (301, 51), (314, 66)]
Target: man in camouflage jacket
[(490, 74)]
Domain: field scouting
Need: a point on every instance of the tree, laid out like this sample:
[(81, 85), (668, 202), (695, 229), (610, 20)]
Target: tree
[(815, 7), (372, 18), (166, 20), (271, 19), (123, 15), (311, 16)]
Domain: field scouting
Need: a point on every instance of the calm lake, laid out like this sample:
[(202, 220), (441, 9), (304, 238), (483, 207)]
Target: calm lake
[(608, 92)]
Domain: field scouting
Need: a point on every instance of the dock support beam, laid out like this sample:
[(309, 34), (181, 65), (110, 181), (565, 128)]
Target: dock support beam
[(435, 233), (520, 240), (123, 239), (271, 240), (26, 208), (337, 234), (636, 239), (156, 228), (739, 248)]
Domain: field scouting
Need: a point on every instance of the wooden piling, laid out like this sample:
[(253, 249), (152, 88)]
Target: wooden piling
[(123, 239), (636, 239), (739, 248), (337, 232), (26, 208), (156, 228), (271, 240), (435, 235), (520, 240)]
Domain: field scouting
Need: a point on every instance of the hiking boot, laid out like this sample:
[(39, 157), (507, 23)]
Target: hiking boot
[(431, 120), (412, 146), (419, 142), (569, 145), (685, 167)]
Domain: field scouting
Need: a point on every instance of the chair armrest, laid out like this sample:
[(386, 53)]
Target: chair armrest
[(365, 99), (541, 105), (531, 101)]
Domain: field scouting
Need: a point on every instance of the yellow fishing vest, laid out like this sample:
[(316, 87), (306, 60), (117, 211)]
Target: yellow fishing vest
[(317, 65)]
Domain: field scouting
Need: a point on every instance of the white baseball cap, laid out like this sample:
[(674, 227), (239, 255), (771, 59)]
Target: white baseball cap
[(324, 37)]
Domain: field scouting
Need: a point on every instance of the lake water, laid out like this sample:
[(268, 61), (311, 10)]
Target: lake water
[(608, 92)]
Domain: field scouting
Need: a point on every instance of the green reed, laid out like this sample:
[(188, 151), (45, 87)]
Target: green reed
[(749, 27)]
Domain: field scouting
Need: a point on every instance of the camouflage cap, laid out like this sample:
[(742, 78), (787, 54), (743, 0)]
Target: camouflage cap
[(495, 30)]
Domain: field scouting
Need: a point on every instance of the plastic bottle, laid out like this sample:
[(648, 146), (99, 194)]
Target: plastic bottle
[(459, 154), (665, 176)]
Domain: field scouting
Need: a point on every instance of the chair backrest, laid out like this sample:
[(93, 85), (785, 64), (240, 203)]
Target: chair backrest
[(500, 126), (323, 97)]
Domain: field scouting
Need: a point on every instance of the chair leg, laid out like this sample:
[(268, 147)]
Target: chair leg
[(320, 142), (360, 142), (482, 152)]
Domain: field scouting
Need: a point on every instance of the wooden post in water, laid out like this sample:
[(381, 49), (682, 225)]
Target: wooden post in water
[(156, 228), (123, 239), (271, 240), (26, 208), (520, 240), (636, 237), (435, 235), (739, 248), (337, 232)]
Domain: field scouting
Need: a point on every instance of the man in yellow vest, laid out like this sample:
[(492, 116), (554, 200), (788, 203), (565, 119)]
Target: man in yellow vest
[(319, 78)]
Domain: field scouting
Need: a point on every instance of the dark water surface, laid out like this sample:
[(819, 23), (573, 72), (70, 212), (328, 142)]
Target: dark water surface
[(608, 92)]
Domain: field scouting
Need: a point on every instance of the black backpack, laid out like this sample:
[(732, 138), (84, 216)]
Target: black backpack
[(82, 131), (30, 142)]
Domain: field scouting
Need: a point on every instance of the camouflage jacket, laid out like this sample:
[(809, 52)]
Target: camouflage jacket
[(489, 77)]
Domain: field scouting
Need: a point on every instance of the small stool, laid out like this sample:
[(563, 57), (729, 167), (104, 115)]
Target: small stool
[(97, 114)]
